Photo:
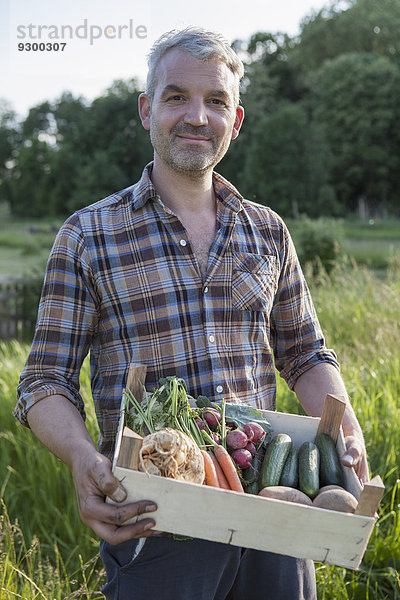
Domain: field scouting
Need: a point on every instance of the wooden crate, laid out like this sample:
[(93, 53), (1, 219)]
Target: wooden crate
[(255, 522)]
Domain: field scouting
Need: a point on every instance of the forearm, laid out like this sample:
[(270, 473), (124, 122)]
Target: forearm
[(59, 426), (57, 423), (311, 390), (312, 387)]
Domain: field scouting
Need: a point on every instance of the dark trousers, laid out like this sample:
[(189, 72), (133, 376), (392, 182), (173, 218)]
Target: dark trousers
[(169, 569)]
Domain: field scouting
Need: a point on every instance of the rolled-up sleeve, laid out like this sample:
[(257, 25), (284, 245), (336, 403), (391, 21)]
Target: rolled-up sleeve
[(67, 320), (296, 335)]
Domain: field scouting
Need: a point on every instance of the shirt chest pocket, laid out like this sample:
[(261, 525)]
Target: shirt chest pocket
[(254, 279)]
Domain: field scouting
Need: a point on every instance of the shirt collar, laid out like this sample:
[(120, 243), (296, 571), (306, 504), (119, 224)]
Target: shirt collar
[(227, 193), (144, 190)]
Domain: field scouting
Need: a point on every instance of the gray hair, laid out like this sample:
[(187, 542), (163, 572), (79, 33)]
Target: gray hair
[(203, 45)]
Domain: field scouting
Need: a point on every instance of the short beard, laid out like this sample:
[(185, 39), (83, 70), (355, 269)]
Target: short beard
[(193, 165)]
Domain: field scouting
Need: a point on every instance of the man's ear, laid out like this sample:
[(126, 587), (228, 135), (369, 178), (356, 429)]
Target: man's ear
[(144, 110), (238, 122)]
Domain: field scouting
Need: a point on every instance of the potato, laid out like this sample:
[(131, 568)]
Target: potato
[(330, 487), (336, 499), (282, 492)]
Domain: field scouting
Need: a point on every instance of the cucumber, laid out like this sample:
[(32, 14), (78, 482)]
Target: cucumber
[(330, 470), (274, 459), (309, 469), (290, 471)]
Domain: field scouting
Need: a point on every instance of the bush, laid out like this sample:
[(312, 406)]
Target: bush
[(318, 242)]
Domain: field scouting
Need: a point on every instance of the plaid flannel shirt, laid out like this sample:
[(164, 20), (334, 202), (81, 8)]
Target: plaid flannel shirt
[(122, 282)]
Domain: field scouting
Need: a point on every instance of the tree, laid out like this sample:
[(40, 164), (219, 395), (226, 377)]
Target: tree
[(38, 121), (30, 183), (281, 163), (356, 103), (75, 153), (113, 125), (9, 141), (70, 115), (349, 26), (96, 179), (268, 82)]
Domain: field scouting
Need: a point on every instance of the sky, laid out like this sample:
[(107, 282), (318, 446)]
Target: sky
[(94, 42)]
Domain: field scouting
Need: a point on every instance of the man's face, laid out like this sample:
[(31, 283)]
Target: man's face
[(193, 115)]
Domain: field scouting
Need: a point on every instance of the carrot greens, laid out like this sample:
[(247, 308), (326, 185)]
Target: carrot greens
[(168, 406)]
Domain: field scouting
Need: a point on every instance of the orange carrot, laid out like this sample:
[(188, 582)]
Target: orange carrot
[(228, 467), (222, 480), (211, 477)]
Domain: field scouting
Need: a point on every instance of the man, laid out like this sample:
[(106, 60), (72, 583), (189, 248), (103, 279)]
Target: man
[(180, 273)]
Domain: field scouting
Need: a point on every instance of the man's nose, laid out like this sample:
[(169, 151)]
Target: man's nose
[(196, 113)]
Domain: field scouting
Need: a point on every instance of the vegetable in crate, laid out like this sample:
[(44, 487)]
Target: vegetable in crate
[(290, 472), (210, 472), (171, 453), (336, 499), (236, 439), (168, 406), (288, 494), (228, 467), (309, 469), (274, 459), (242, 458), (212, 417), (255, 433), (251, 475), (330, 470), (240, 414)]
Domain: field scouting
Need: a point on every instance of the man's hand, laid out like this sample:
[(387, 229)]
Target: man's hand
[(311, 389), (92, 472), (356, 456), (93, 481)]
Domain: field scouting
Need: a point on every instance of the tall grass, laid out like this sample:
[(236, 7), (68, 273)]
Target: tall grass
[(46, 552), (360, 315)]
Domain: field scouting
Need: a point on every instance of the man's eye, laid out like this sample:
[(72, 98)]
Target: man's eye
[(175, 98), (217, 102)]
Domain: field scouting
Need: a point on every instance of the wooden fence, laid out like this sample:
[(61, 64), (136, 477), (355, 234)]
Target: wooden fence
[(19, 299)]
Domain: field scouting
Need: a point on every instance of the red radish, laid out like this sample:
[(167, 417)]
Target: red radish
[(242, 458), (212, 417), (254, 432), (216, 438), (251, 448), (248, 431), (200, 424), (236, 439)]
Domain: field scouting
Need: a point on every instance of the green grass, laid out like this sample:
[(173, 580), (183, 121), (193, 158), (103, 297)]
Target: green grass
[(46, 552), (378, 229), (375, 253), (15, 262), (360, 315), (373, 244), (25, 245), (42, 539)]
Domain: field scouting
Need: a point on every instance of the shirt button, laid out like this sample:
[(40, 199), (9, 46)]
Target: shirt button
[(206, 290), (182, 242), (211, 339), (219, 389)]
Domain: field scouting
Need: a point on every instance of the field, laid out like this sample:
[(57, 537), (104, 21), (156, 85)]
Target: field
[(47, 553), (25, 244)]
